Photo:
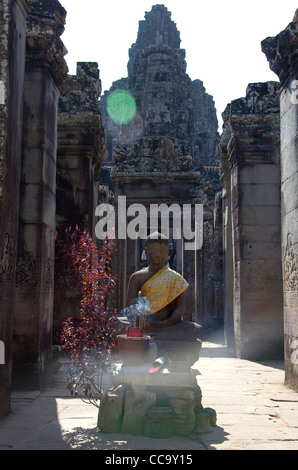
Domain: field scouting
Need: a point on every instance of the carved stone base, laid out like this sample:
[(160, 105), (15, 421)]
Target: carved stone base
[(157, 405)]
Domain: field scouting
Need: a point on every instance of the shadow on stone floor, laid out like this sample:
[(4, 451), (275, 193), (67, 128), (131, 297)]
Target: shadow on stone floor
[(92, 439)]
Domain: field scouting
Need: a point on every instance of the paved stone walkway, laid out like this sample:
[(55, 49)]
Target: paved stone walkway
[(255, 411)]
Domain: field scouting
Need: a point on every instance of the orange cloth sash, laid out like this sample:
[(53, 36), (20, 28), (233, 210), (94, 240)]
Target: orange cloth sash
[(162, 288)]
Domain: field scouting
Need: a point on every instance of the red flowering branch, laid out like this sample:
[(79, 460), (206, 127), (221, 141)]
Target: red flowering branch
[(89, 337)]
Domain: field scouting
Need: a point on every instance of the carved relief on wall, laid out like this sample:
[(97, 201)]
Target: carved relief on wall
[(7, 259), (26, 270), (290, 267)]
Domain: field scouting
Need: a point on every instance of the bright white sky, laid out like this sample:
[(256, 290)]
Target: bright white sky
[(221, 39)]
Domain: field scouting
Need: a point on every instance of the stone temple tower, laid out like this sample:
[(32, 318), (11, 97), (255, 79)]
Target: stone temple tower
[(169, 104), (164, 152)]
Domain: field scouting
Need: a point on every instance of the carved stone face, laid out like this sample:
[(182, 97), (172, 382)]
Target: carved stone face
[(157, 254)]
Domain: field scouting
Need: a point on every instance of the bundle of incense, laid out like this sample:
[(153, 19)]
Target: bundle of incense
[(141, 323), (135, 332)]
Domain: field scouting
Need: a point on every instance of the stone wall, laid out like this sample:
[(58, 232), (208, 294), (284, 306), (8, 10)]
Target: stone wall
[(282, 54), (32, 74), (250, 152), (45, 72), (81, 148), (12, 65), (80, 152)]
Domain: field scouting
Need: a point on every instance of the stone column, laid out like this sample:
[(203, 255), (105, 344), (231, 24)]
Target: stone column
[(282, 54), (12, 65), (253, 153), (81, 148), (227, 236), (45, 72)]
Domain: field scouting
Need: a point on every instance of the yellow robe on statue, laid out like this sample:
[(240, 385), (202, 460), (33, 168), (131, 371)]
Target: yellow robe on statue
[(162, 288)]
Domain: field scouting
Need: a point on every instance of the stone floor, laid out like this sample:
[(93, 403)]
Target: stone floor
[(255, 411)]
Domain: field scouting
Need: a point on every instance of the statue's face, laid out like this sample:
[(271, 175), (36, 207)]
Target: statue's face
[(157, 255)]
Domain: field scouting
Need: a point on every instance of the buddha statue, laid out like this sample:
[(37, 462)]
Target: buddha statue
[(165, 291)]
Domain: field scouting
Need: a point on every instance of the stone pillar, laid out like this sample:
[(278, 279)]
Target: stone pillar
[(12, 65), (253, 153), (282, 54), (228, 270), (45, 72), (81, 148)]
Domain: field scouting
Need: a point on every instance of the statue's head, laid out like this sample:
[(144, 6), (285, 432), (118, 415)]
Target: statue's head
[(157, 250)]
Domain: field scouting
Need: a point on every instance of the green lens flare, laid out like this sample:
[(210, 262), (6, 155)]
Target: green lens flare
[(121, 106)]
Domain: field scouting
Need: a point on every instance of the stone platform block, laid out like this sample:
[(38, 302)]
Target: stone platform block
[(111, 409), (154, 404), (139, 376)]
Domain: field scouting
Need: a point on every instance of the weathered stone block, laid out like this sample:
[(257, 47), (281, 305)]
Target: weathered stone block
[(259, 174), (137, 402), (39, 167), (253, 194), (289, 231), (111, 410), (202, 424), (289, 164), (38, 205), (256, 215), (259, 233), (286, 100), (291, 314), (261, 343), (213, 416), (184, 415), (257, 250), (289, 196), (288, 125), (159, 423)]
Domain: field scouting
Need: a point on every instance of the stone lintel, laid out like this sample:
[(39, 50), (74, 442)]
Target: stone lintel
[(282, 50), (252, 127), (126, 177), (45, 24), (253, 152), (82, 137)]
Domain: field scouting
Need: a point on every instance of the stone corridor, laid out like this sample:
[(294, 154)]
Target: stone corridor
[(255, 411), (60, 159)]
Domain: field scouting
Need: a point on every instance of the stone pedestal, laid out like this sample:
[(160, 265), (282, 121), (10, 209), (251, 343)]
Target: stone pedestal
[(156, 404)]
